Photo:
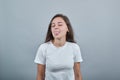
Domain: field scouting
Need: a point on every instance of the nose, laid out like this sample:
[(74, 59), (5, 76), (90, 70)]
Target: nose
[(56, 27)]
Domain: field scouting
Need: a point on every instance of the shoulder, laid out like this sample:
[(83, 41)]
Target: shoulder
[(44, 45), (74, 45)]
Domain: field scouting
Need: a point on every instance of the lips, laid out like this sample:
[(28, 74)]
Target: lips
[(56, 32)]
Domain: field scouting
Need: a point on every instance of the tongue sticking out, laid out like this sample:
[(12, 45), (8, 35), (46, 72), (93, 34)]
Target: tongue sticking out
[(56, 33)]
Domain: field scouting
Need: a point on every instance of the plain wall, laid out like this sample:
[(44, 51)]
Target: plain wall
[(23, 27)]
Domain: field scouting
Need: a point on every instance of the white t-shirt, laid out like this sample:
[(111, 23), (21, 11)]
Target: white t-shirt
[(59, 61)]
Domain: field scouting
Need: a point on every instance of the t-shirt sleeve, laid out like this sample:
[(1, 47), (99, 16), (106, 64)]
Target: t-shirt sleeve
[(40, 55), (77, 52)]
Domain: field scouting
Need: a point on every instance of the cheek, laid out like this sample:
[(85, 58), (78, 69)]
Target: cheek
[(64, 29)]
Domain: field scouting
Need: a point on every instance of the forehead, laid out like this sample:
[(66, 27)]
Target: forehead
[(57, 19)]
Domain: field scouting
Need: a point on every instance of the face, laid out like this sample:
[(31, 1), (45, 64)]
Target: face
[(59, 28)]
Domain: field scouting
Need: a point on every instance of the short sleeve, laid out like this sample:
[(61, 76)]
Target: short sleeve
[(77, 52), (40, 55)]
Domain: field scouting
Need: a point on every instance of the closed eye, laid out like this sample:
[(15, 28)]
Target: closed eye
[(59, 24), (53, 25)]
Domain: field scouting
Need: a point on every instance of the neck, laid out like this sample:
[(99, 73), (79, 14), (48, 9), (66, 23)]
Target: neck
[(59, 42)]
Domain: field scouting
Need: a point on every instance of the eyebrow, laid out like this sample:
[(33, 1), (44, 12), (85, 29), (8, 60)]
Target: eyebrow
[(58, 22)]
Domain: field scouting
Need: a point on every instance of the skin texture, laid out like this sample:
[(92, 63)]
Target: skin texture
[(77, 72), (40, 72), (59, 30)]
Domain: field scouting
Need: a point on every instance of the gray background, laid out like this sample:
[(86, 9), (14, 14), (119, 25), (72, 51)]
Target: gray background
[(23, 26)]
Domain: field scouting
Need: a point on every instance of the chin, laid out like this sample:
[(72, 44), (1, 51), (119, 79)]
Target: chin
[(57, 37)]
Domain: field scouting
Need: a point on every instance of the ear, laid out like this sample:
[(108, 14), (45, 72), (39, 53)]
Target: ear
[(67, 30)]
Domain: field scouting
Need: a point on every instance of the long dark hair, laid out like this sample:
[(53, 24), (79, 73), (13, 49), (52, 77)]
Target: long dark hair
[(69, 35)]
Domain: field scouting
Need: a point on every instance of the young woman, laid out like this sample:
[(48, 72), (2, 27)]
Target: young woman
[(59, 57)]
